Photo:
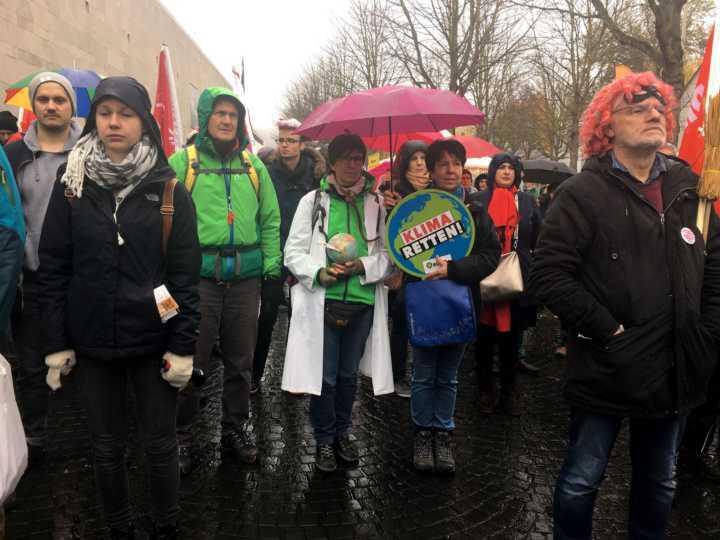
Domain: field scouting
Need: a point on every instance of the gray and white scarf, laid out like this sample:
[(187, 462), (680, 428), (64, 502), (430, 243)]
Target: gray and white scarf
[(89, 159)]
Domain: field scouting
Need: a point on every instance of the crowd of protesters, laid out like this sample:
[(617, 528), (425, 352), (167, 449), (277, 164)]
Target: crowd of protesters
[(136, 268)]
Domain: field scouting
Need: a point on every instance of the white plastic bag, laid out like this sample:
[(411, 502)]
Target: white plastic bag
[(13, 448)]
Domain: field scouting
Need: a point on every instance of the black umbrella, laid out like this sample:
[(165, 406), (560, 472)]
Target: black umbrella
[(546, 171)]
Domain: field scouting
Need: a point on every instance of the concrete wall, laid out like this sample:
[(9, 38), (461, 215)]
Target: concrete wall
[(112, 37)]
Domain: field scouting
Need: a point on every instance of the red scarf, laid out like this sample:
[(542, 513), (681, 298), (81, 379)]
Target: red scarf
[(505, 216)]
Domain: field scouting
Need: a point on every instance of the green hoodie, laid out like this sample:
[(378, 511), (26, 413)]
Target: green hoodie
[(248, 244), (343, 218)]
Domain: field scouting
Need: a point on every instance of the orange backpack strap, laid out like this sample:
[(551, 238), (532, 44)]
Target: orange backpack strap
[(167, 209)]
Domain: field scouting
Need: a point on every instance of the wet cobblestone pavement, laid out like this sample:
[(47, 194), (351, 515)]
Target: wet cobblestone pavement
[(503, 487)]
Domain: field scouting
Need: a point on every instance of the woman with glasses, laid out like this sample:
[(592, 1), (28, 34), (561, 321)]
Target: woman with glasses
[(339, 321)]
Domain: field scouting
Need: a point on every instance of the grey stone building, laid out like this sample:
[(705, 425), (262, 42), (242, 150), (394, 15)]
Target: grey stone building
[(112, 37)]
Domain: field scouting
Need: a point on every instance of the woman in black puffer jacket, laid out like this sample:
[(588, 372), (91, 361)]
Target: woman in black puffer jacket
[(103, 259)]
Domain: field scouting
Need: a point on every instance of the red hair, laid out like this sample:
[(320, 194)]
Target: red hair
[(596, 118)]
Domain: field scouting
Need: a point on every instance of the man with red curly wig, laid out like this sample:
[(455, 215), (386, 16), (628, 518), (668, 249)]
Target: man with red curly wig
[(621, 262)]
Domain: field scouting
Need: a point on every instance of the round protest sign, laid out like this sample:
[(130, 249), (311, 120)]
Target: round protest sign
[(425, 225)]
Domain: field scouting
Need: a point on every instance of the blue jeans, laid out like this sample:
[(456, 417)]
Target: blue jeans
[(653, 449), (331, 411), (434, 386)]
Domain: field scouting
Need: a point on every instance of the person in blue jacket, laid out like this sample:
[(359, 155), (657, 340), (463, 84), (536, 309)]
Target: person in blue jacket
[(12, 240)]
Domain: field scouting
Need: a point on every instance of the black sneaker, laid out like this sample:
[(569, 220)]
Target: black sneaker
[(487, 402), (402, 389), (123, 534), (325, 458), (444, 459), (510, 402), (36, 455), (185, 461), (347, 449), (168, 532), (527, 367), (423, 459), (241, 445)]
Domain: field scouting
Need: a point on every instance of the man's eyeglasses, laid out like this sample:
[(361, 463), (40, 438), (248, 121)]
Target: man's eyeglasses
[(642, 109), (283, 140), (357, 158)]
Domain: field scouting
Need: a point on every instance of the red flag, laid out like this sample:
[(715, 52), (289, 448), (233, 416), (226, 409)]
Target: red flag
[(692, 147), (26, 118), (166, 110)]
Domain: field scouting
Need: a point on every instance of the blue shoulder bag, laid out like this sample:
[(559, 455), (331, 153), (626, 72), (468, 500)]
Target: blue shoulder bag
[(439, 312)]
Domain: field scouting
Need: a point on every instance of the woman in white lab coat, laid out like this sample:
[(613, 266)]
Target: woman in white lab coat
[(339, 316)]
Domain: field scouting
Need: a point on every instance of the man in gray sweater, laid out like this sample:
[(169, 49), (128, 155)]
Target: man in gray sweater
[(35, 161)]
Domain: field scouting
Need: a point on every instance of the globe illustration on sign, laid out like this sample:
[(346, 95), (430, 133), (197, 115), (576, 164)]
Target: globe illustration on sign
[(341, 248), (428, 224)]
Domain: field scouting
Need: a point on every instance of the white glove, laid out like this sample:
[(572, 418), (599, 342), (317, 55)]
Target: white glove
[(177, 370), (59, 363)]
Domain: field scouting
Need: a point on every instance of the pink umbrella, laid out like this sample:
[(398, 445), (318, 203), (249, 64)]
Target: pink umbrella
[(381, 168), (382, 142), (477, 147), (390, 109)]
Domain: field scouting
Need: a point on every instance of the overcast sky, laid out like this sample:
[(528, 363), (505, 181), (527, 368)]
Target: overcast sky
[(276, 37)]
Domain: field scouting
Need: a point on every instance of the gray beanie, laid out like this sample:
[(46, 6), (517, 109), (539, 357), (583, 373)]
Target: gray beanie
[(50, 76)]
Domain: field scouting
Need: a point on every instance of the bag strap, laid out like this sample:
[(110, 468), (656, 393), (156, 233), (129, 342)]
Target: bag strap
[(318, 214), (705, 208), (251, 172), (192, 165), (516, 234), (167, 210), (193, 169)]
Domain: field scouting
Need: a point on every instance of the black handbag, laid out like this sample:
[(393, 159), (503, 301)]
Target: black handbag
[(343, 314)]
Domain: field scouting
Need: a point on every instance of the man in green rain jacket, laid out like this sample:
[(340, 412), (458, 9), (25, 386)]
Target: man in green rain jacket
[(239, 229)]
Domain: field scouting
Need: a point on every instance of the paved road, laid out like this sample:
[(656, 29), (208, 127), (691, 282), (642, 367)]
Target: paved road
[(503, 487)]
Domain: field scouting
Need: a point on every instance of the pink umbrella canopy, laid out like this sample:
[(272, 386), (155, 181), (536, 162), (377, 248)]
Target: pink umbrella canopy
[(477, 147), (382, 142), (381, 168), (390, 109)]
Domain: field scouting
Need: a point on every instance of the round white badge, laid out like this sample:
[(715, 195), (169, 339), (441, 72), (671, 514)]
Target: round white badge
[(687, 235)]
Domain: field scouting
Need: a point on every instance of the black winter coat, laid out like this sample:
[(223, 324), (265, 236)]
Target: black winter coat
[(485, 254), (523, 308), (605, 257), (18, 155), (291, 186), (97, 295)]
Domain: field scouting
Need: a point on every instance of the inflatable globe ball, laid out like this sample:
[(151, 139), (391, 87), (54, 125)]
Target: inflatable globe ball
[(341, 248)]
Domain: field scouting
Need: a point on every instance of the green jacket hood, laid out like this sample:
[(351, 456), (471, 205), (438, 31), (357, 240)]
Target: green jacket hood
[(205, 106)]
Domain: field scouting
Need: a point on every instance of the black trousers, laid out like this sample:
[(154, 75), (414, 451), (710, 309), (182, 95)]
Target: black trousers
[(229, 311), (508, 345), (33, 391), (266, 325), (104, 387), (398, 334)]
